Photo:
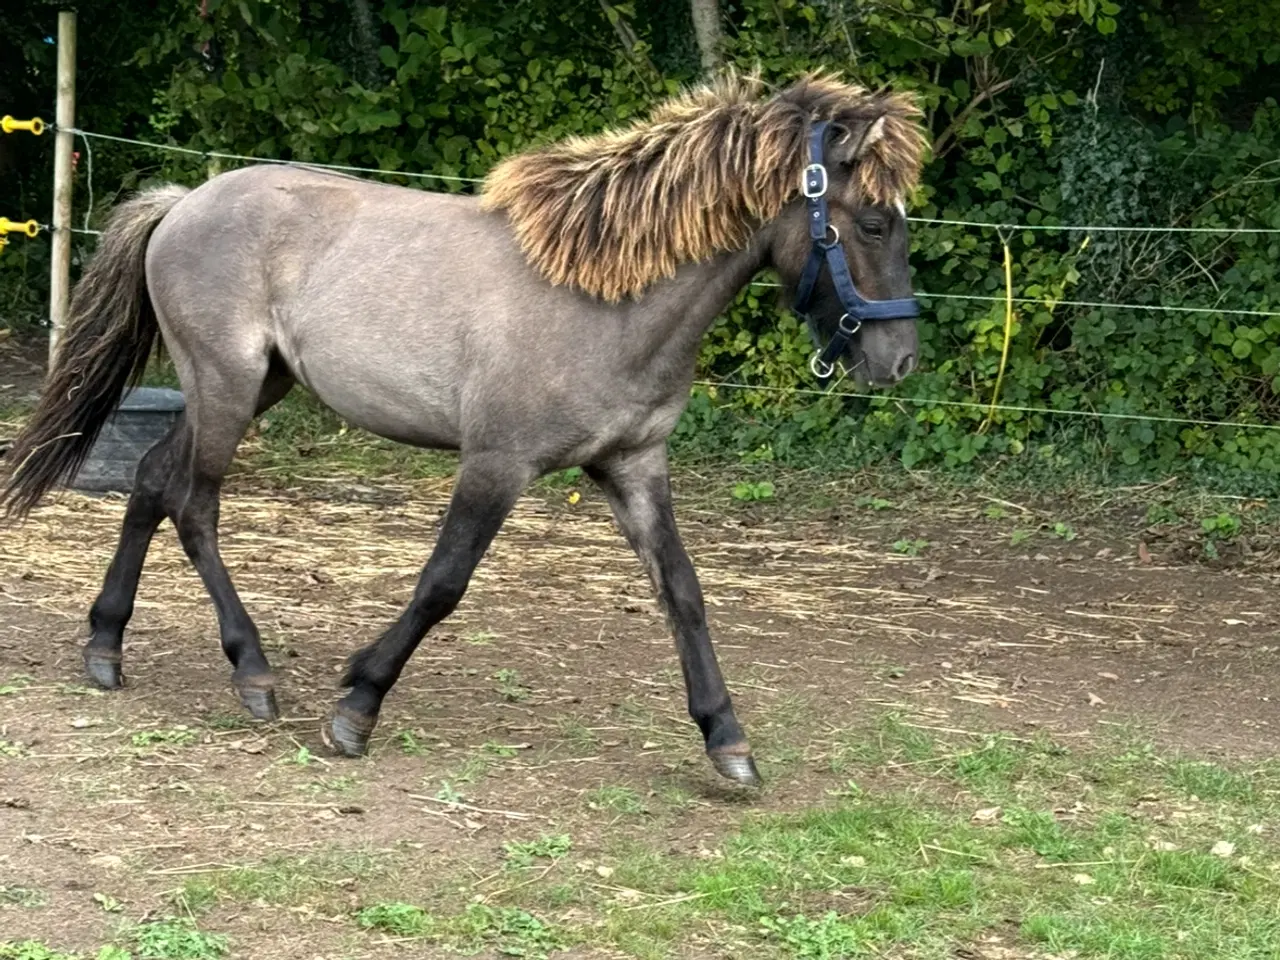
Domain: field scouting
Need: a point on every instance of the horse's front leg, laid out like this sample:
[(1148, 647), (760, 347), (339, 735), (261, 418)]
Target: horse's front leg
[(485, 491), (639, 490)]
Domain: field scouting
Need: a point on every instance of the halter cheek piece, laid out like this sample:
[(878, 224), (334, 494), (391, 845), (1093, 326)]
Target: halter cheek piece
[(857, 308)]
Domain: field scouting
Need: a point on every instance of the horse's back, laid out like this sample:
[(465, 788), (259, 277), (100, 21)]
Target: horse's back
[(312, 268)]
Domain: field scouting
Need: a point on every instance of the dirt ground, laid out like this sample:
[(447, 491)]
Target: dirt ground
[(554, 685)]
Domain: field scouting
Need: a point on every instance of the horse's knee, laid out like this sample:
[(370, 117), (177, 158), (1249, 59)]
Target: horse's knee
[(440, 594)]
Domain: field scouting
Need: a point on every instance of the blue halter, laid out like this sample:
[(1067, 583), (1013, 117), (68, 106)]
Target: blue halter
[(857, 308)]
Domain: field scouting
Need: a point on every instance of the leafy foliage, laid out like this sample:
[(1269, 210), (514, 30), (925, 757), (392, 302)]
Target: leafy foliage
[(1043, 112)]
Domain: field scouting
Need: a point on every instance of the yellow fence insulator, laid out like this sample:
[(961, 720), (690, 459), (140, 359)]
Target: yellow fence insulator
[(10, 125), (27, 228)]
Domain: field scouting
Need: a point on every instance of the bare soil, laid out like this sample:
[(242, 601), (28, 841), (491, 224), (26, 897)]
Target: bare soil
[(559, 657)]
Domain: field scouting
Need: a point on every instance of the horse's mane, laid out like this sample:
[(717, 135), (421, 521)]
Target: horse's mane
[(613, 213)]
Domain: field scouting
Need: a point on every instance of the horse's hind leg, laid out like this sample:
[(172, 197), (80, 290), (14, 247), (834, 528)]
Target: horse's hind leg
[(218, 415), (114, 606), (162, 487)]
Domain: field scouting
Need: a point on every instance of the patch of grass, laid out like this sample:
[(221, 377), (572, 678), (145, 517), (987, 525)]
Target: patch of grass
[(27, 897), (522, 853), (284, 881), (108, 903), (16, 684), (179, 736), (342, 784), (397, 919), (448, 793), (507, 931), (910, 547), (580, 738), (748, 491), (1159, 514), (409, 744), (893, 741), (32, 950), (615, 799), (12, 749), (873, 503), (831, 935), (79, 690), (1209, 781), (227, 722), (178, 939), (512, 688), (479, 638), (919, 868), (302, 757)]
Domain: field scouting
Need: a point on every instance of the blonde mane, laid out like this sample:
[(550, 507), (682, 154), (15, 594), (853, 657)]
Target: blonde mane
[(613, 213)]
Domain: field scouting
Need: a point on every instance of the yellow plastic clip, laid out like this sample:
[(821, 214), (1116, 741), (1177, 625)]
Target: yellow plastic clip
[(30, 227), (34, 125)]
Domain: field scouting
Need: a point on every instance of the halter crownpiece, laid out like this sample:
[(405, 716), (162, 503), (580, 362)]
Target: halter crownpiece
[(828, 249)]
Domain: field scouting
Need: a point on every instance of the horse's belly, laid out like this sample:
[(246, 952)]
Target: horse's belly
[(390, 393)]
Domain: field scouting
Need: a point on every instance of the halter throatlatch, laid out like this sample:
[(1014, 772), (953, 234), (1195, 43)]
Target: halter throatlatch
[(828, 249)]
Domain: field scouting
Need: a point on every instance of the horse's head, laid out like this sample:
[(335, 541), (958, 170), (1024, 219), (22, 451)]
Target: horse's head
[(872, 233)]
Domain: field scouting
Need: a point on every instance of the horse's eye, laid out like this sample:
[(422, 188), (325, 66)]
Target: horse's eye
[(872, 228)]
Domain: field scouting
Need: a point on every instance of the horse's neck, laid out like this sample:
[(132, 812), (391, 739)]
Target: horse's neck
[(682, 309)]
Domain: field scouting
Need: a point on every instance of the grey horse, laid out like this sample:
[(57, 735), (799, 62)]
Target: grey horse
[(553, 321)]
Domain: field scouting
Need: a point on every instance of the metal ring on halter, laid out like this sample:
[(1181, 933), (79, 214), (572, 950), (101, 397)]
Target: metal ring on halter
[(816, 368), (849, 331), (827, 246)]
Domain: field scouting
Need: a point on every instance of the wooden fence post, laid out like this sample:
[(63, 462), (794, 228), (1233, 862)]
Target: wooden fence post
[(60, 270)]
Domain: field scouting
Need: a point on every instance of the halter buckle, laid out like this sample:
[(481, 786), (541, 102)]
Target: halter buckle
[(820, 181), (850, 331)]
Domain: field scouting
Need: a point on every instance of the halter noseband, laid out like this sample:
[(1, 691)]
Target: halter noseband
[(857, 308)]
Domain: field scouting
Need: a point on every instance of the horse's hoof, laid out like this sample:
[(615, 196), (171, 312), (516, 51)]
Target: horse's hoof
[(104, 670), (348, 733), (259, 701), (738, 767)]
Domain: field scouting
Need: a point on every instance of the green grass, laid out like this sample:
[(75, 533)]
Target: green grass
[(396, 919), (178, 939), (167, 939), (283, 881), (616, 800), (523, 853), (507, 931), (510, 685), (1112, 853), (177, 737), (28, 897)]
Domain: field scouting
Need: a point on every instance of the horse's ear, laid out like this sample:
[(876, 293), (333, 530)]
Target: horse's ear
[(850, 142)]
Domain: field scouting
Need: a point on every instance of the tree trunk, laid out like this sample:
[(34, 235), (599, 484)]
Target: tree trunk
[(364, 44), (706, 27)]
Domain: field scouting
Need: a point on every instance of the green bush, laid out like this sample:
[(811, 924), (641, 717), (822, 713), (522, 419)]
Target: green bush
[(1043, 112)]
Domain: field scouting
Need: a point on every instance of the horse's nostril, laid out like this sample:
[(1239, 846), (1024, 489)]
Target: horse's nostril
[(905, 366)]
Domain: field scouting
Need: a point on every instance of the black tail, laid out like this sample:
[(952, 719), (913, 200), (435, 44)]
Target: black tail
[(105, 346)]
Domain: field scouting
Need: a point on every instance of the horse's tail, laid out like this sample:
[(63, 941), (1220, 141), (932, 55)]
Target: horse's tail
[(105, 347)]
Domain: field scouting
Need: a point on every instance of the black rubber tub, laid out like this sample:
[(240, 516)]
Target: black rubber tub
[(144, 416)]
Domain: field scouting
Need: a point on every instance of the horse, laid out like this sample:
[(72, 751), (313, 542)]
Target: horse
[(551, 321)]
